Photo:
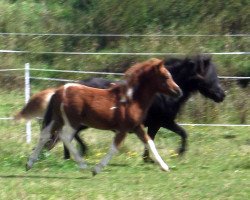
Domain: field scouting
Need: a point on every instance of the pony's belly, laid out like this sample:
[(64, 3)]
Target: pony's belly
[(124, 124), (100, 123)]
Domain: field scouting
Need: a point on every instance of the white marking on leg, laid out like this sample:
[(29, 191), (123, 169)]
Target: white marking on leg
[(44, 138), (112, 151), (158, 158)]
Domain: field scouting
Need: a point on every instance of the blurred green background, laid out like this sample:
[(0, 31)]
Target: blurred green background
[(196, 17)]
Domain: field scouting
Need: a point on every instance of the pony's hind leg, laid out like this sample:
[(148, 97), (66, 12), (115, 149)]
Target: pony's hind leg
[(119, 137), (82, 146), (44, 138), (149, 144), (66, 135)]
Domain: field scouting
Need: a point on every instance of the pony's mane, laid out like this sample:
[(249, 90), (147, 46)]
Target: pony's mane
[(126, 88), (134, 72), (176, 64), (174, 61)]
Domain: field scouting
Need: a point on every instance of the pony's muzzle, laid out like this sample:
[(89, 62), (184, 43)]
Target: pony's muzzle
[(180, 93), (176, 92)]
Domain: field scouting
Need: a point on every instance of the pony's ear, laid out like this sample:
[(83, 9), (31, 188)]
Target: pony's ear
[(160, 64), (194, 70), (192, 67), (196, 67), (203, 64), (206, 59)]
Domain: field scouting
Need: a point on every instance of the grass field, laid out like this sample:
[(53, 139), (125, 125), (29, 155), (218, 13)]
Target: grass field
[(216, 165)]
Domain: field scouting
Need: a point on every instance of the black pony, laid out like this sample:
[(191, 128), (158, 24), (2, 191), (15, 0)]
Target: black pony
[(194, 74)]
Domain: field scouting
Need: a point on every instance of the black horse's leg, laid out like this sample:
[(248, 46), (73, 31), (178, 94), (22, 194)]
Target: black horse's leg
[(66, 152), (173, 126), (83, 146), (152, 130)]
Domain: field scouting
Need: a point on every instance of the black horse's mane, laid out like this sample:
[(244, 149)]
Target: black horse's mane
[(177, 62), (188, 66)]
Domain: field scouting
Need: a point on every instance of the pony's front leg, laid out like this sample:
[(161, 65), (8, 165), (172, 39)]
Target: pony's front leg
[(149, 144), (119, 137), (152, 130), (66, 135), (44, 138)]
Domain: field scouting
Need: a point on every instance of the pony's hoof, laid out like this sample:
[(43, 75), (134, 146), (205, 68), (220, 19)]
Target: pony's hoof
[(181, 151), (97, 169), (29, 164), (28, 167), (148, 160), (83, 166), (165, 168), (94, 173)]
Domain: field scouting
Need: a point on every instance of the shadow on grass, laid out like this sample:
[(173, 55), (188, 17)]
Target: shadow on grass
[(43, 177), (118, 165)]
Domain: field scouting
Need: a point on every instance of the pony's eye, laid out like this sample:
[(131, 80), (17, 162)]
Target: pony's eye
[(164, 78), (164, 84)]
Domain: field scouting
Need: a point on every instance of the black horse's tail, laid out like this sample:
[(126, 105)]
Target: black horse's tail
[(49, 113)]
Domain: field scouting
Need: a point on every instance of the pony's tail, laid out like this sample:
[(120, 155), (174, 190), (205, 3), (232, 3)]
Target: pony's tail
[(18, 116), (28, 112), (49, 113), (47, 119), (36, 106)]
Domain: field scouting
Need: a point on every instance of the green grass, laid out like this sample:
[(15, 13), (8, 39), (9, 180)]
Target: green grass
[(216, 165)]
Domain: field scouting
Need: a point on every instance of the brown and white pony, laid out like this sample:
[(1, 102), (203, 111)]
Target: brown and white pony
[(74, 105), (37, 104)]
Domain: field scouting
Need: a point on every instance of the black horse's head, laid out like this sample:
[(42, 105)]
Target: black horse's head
[(205, 78), (196, 74)]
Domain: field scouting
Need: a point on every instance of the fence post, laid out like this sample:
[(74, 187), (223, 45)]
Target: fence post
[(27, 97)]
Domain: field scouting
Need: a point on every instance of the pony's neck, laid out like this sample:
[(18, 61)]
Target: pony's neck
[(143, 96), (184, 82), (186, 90)]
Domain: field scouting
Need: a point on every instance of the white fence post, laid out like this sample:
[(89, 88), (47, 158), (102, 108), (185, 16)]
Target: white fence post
[(27, 97)]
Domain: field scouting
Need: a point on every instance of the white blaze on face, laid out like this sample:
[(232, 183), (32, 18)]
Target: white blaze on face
[(169, 75)]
